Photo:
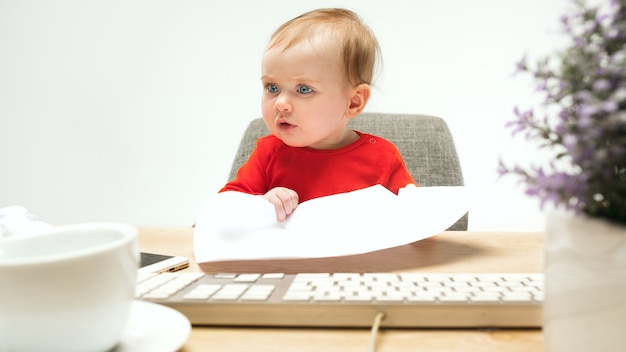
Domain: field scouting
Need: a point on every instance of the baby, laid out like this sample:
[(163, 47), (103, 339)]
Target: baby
[(316, 73)]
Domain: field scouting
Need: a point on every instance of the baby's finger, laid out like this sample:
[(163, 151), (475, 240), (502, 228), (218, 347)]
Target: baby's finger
[(289, 198), (281, 213)]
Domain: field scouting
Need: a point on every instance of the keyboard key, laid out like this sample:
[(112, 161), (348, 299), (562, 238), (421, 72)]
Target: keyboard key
[(246, 277), (273, 276)]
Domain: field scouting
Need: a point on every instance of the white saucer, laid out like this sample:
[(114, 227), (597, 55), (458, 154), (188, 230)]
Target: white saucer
[(154, 328)]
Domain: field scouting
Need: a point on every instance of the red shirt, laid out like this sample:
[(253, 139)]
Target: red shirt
[(314, 173)]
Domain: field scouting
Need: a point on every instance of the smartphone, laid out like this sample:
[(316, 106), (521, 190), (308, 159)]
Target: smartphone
[(159, 263)]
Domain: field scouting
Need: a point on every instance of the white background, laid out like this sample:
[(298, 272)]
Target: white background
[(132, 111)]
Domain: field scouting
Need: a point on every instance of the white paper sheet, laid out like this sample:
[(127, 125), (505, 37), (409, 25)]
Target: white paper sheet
[(239, 226)]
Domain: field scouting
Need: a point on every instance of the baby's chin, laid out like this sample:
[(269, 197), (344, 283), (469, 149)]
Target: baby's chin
[(295, 142), (290, 142)]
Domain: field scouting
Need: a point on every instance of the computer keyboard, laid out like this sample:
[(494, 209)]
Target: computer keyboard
[(407, 300)]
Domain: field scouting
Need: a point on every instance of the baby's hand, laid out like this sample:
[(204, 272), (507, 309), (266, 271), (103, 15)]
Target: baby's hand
[(285, 201)]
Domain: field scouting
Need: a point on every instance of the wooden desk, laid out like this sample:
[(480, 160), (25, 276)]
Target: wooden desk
[(446, 252)]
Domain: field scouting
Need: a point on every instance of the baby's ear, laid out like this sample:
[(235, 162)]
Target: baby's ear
[(358, 100)]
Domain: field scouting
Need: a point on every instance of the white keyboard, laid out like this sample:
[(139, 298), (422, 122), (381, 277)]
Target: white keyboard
[(408, 300)]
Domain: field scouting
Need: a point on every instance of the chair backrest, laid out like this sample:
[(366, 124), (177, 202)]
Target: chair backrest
[(425, 143)]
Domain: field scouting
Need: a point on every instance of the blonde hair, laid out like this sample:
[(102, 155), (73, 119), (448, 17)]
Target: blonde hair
[(357, 42)]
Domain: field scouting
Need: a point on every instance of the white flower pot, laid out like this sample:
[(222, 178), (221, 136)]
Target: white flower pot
[(585, 284)]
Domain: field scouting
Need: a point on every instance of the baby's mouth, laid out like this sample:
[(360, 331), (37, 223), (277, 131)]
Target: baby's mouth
[(285, 126)]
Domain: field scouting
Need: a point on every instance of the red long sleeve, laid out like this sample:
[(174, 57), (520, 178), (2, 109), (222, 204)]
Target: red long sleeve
[(314, 173)]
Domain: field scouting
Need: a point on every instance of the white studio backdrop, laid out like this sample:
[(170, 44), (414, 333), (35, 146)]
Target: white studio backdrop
[(132, 111)]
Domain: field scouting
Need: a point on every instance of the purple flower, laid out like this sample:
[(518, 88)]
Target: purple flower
[(601, 85), (584, 119)]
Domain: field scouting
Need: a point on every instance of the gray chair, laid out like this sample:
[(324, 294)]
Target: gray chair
[(425, 143)]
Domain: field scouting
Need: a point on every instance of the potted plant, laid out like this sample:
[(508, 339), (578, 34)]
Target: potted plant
[(581, 121)]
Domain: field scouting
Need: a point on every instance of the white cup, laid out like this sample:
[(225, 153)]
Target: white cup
[(68, 289)]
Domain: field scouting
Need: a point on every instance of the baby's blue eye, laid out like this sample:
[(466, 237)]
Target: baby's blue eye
[(304, 90), (272, 88)]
